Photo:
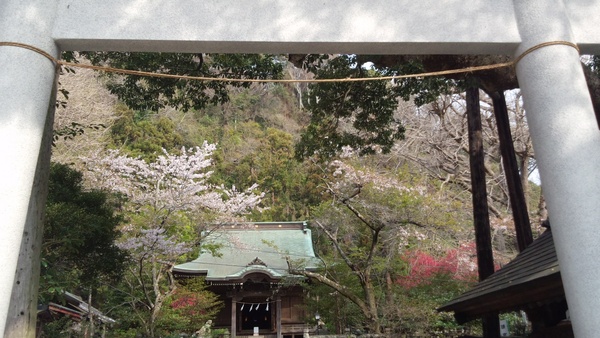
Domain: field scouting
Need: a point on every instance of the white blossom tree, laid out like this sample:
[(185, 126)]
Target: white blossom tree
[(166, 198)]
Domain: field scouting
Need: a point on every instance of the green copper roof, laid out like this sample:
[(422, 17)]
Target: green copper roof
[(253, 247)]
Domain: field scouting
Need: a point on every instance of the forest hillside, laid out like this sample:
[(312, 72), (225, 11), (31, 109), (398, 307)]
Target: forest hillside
[(399, 217)]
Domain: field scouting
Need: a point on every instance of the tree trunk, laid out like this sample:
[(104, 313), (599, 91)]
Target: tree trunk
[(483, 239), (91, 315), (542, 211), (367, 305), (389, 283), (511, 171), (524, 170), (371, 301)]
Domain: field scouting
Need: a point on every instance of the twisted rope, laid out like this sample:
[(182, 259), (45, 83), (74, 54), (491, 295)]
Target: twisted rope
[(59, 62)]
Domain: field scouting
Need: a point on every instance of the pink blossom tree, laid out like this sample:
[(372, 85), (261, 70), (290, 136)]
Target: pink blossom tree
[(167, 200)]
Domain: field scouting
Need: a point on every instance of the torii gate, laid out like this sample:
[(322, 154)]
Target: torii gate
[(559, 110)]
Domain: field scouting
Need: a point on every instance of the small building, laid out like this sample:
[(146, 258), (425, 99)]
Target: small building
[(250, 275), (531, 282), (74, 308)]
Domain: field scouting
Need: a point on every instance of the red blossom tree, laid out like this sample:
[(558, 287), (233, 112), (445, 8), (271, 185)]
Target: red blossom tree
[(192, 304), (460, 263)]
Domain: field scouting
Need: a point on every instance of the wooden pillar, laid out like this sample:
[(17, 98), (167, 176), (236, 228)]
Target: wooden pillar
[(234, 300), (511, 171), (483, 238), (278, 311)]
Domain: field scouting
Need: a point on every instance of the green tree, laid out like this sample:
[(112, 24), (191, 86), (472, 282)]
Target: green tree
[(153, 93), (78, 249), (145, 133), (190, 307), (418, 315), (360, 115), (266, 156), (369, 219)]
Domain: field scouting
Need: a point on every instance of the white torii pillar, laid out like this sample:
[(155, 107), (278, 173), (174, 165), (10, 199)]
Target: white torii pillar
[(566, 140), (560, 114), (26, 81)]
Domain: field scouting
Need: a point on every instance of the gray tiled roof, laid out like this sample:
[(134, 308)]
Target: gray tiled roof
[(533, 276), (253, 247)]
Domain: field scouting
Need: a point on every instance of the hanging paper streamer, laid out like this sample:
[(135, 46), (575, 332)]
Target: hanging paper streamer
[(255, 306)]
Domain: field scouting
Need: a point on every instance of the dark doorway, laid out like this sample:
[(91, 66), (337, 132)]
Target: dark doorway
[(256, 315)]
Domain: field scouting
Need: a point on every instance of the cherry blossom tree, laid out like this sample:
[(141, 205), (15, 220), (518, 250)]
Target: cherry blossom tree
[(168, 200)]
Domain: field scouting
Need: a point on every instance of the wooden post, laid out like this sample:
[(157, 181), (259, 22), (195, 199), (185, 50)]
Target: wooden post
[(234, 300), (511, 171), (279, 334), (483, 238)]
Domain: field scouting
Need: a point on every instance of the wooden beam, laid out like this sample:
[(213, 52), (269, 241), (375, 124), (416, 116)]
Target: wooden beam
[(518, 203)]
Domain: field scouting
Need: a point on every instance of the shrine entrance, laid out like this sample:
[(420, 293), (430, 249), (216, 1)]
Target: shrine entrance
[(254, 314)]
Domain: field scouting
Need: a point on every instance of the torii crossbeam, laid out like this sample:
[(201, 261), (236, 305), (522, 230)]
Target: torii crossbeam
[(562, 122)]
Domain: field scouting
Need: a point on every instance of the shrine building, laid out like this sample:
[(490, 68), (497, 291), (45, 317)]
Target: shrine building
[(250, 275)]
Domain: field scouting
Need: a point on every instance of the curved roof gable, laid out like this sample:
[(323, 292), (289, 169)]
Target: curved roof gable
[(253, 247)]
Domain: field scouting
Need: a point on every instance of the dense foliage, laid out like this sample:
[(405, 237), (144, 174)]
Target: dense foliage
[(399, 215), (153, 93), (144, 136), (369, 221), (355, 114), (79, 253), (78, 250), (190, 307)]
